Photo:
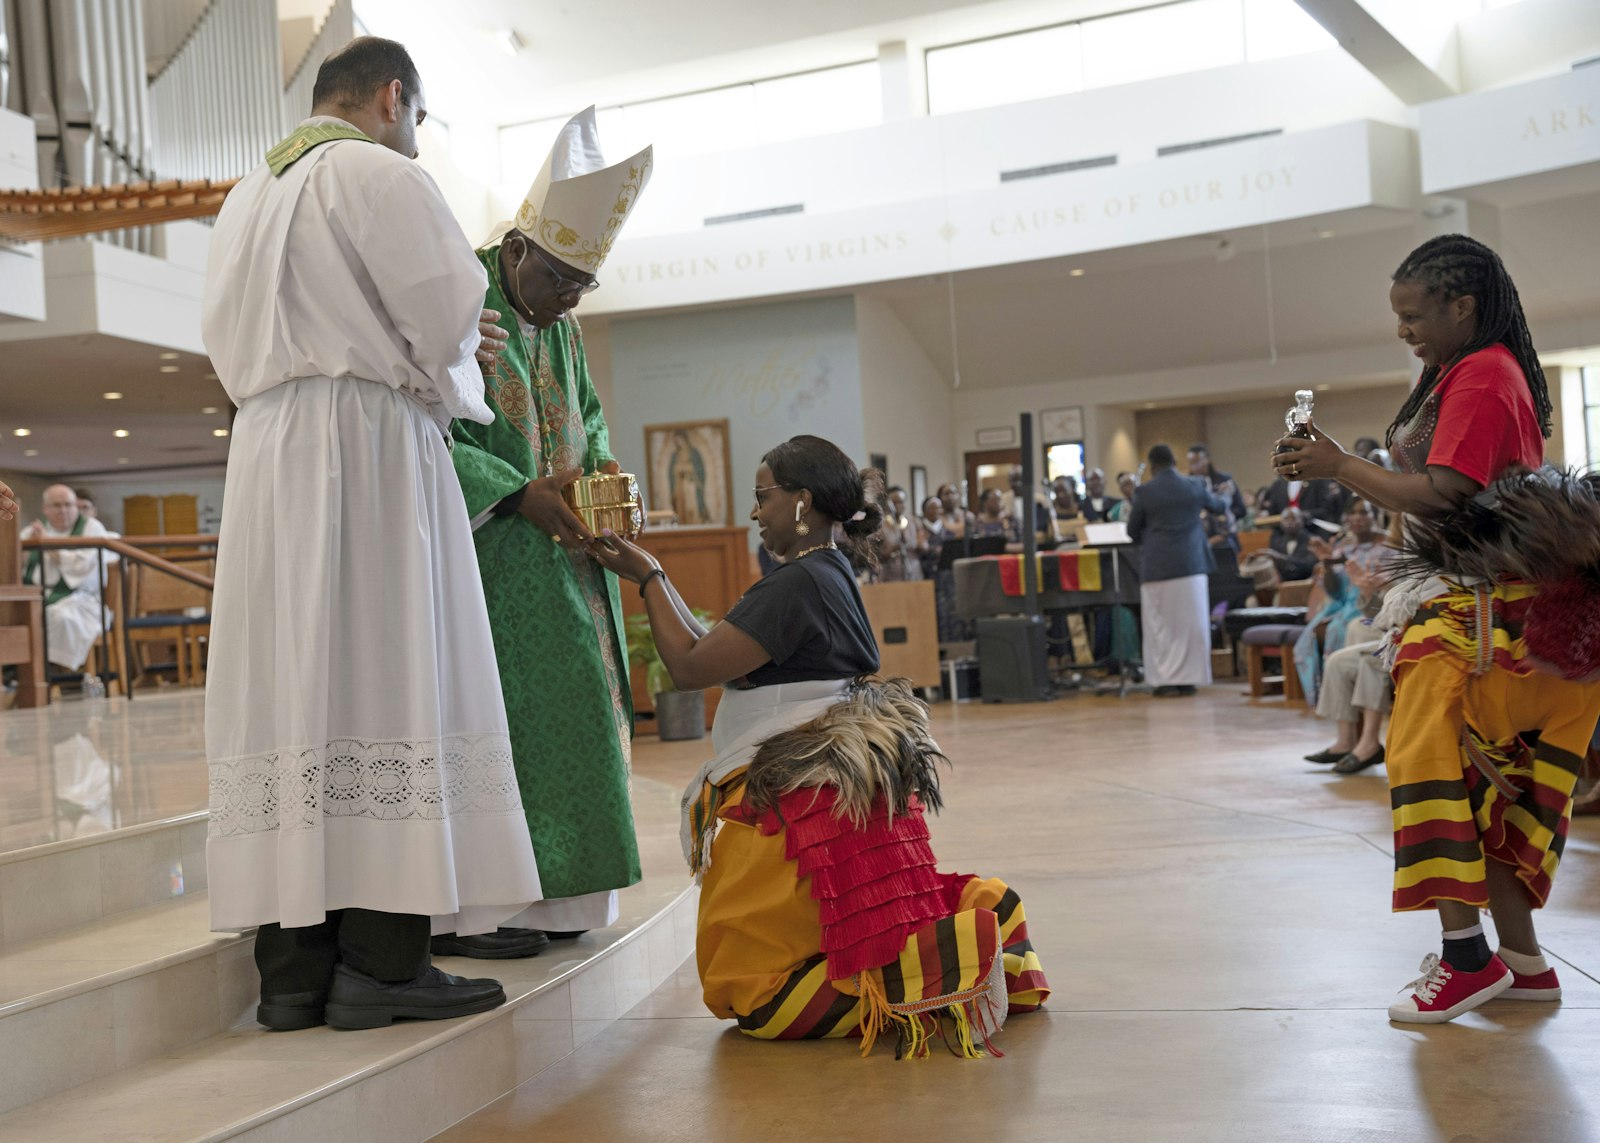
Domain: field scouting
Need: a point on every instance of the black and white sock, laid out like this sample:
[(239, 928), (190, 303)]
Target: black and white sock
[(1466, 949)]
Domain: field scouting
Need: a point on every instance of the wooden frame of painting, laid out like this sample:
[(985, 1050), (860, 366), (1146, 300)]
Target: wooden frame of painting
[(919, 489), (1061, 426), (689, 471)]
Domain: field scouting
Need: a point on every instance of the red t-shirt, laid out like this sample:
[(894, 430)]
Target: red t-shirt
[(1487, 421)]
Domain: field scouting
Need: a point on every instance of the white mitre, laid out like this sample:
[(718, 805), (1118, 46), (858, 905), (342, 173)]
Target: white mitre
[(577, 205)]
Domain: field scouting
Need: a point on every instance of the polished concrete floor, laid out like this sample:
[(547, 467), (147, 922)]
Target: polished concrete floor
[(79, 767), (1213, 914)]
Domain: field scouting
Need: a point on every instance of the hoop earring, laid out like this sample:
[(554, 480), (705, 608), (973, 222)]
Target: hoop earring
[(801, 528)]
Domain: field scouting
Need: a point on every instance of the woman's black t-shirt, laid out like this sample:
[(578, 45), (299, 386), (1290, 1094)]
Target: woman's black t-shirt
[(809, 617)]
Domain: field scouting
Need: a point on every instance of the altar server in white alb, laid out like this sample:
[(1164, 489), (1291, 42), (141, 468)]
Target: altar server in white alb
[(361, 778), (74, 615)]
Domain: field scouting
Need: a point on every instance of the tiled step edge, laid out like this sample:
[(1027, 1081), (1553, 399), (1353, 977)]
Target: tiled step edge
[(111, 1020), (47, 889), (418, 1093)]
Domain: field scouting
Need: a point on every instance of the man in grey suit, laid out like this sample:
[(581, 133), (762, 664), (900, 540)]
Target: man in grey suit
[(1175, 563)]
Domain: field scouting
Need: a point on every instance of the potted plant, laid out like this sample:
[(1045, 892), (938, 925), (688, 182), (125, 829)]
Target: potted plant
[(679, 714)]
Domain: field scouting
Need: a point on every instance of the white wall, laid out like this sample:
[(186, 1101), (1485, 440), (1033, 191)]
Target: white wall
[(906, 402), (774, 371)]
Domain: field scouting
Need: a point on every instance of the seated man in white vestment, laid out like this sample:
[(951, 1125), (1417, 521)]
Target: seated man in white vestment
[(362, 794), (74, 616)]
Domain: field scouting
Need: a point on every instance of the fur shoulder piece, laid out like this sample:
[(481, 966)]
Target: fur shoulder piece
[(1538, 527), (874, 744)]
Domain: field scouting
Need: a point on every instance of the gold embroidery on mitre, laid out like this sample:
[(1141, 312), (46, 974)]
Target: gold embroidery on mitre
[(527, 218)]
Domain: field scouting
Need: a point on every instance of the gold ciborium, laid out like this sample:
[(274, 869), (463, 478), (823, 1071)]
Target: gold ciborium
[(605, 500)]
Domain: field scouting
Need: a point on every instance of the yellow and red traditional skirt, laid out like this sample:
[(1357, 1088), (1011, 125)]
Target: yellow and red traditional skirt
[(812, 927), (1483, 751)]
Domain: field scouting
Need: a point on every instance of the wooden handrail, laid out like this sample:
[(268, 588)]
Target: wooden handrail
[(124, 549), (196, 540)]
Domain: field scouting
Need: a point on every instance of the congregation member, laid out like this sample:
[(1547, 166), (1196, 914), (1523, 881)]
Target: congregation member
[(933, 532), (898, 544), (1127, 484), (1495, 656), (1175, 564), (359, 759), (1343, 599), (1064, 499), (993, 519), (1356, 688), (1043, 515), (1290, 547), (86, 504), (1221, 527), (958, 518), (1317, 500), (822, 913), (556, 616), (1097, 506), (75, 615)]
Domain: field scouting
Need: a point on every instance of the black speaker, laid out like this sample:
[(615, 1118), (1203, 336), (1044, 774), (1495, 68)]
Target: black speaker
[(1011, 659)]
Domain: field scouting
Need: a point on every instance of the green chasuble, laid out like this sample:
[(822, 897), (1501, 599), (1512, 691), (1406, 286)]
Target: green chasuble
[(555, 615)]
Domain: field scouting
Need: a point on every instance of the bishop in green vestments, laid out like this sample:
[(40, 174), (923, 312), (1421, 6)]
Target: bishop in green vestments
[(555, 613)]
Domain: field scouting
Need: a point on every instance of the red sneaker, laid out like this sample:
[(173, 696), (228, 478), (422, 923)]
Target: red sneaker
[(1544, 986), (1442, 993)]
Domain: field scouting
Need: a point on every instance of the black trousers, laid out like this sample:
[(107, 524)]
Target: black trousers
[(385, 946)]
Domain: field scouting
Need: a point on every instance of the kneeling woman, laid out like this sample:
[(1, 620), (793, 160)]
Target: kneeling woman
[(821, 910)]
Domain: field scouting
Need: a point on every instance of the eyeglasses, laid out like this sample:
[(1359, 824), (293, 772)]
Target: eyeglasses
[(565, 285), (760, 488)]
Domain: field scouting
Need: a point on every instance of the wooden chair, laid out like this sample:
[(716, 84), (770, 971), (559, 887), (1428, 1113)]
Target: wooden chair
[(21, 621), (160, 603), (1273, 641)]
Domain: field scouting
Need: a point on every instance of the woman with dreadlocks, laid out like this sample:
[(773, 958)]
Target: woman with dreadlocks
[(821, 911), (1496, 630)]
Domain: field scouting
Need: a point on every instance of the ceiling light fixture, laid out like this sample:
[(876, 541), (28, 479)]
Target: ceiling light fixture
[(1324, 234), (22, 432), (170, 356), (120, 433), (219, 432), (1076, 272), (122, 460), (211, 376), (30, 452), (112, 396), (509, 41), (169, 369), (1323, 388)]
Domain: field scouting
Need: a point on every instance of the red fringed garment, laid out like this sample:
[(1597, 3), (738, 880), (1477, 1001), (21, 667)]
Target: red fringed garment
[(873, 884)]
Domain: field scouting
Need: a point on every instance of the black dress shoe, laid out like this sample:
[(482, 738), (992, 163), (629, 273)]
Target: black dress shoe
[(1325, 757), (1350, 764), (564, 934), (291, 1011), (502, 944), (356, 1000)]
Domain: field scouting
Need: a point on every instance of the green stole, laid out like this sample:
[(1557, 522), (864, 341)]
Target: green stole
[(306, 137), (36, 568)]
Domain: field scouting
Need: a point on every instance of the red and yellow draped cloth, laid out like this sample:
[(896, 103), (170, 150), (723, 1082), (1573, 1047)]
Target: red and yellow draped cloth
[(811, 927), (1075, 571), (1483, 749)]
